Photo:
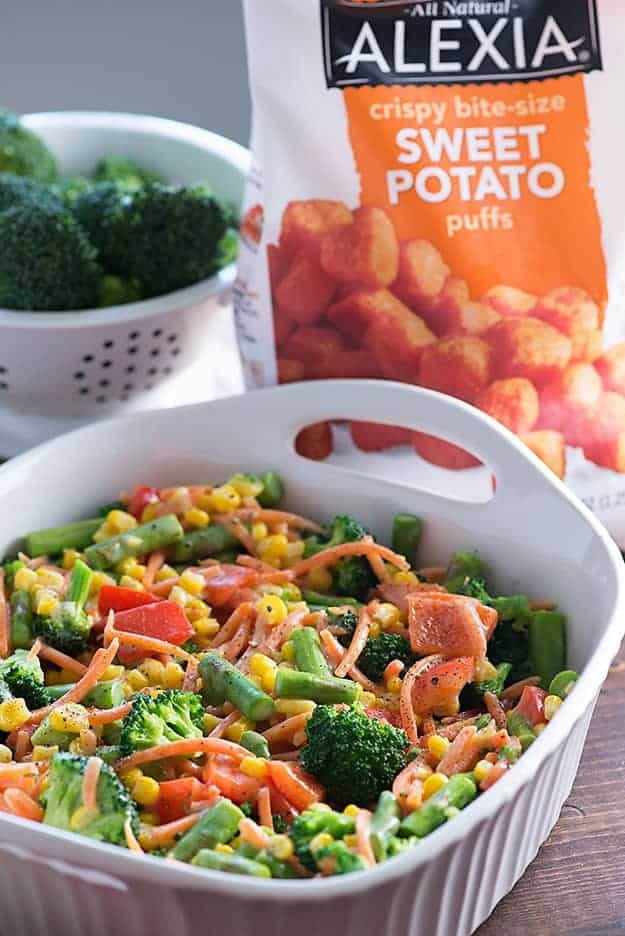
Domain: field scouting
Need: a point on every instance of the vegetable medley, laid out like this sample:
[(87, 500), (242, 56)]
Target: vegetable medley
[(199, 674)]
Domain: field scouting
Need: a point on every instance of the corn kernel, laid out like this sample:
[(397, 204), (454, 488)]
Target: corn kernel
[(196, 517), (98, 579), (130, 777), (481, 769), (273, 608), (291, 707), (45, 601), (127, 581), (405, 578), (173, 676), (254, 767), (288, 651), (437, 745), (119, 521), (153, 670), (210, 722), (386, 615), (145, 791), (368, 699), (148, 818), (149, 512), (246, 486), (319, 580), (82, 817), (179, 595), (320, 841), (234, 731), (351, 810), (137, 679), (423, 772), (281, 847), (552, 704), (13, 714), (192, 582), (206, 627), (224, 849), (225, 498), (484, 670), (540, 727), (69, 558), (291, 593), (259, 531), (375, 629), (165, 572), (6, 754), (294, 552), (50, 579), (394, 685), (273, 547), (44, 752), (113, 671), (24, 579), (351, 841), (433, 784), (70, 717)]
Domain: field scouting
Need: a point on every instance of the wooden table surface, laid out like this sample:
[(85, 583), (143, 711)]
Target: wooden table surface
[(576, 885)]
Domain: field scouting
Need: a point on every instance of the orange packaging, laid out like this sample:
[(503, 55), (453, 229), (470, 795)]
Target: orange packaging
[(437, 197)]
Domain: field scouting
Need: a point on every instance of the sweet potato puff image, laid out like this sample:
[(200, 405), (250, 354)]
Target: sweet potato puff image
[(305, 223), (568, 403), (507, 301), (364, 253), (290, 371), (422, 274), (513, 402), (605, 434), (377, 437), (305, 291), (310, 344), (459, 366), (397, 343), (444, 311), (354, 314), (528, 347), (611, 367), (444, 454), (549, 446), (278, 262), (470, 318), (351, 363), (574, 313), (315, 441), (283, 326)]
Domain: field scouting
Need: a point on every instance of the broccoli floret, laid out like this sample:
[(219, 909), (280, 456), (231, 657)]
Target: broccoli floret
[(354, 757), (68, 188), (24, 678), (118, 290), (352, 575), (170, 716), (10, 567), (378, 651), (69, 625), (312, 822), (15, 190), (46, 260), (22, 151), (473, 694), (510, 640), (103, 210), (337, 858), (465, 576), (123, 172), (63, 801)]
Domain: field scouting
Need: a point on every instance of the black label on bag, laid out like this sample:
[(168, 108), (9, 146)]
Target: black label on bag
[(394, 42)]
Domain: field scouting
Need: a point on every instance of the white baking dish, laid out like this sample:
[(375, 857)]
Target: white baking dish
[(535, 533)]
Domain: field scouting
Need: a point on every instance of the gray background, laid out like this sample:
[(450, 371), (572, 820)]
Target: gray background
[(183, 59)]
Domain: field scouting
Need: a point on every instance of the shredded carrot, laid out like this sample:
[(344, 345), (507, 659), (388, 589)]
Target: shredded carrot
[(300, 738), (90, 782), (409, 782), (189, 683), (162, 589), (21, 804), (357, 644), (186, 766), (218, 730), (285, 730), (271, 517), (162, 834), (251, 832), (263, 803), (363, 824), (394, 668), (100, 662), (131, 838), (335, 653), (184, 749), (33, 563), (155, 562), (360, 548), (229, 629), (61, 659), (253, 562), (150, 644), (88, 741), (277, 577), (408, 717), (278, 635), (106, 716), (5, 622), (377, 564), (238, 529), (515, 691), (12, 770), (35, 648), (235, 647), (433, 573), (22, 744)]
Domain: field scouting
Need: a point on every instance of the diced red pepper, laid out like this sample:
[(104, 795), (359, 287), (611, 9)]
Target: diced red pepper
[(175, 796), (531, 705), (164, 620), (116, 598), (296, 785), (231, 782), (220, 589), (140, 498)]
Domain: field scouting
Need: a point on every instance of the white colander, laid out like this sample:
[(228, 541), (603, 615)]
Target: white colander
[(58, 370)]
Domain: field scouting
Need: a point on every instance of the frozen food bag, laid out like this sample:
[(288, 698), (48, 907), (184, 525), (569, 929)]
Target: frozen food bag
[(438, 196)]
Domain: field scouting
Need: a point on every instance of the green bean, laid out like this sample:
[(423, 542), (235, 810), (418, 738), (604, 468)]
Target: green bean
[(562, 683), (315, 599), (407, 531), (52, 541), (221, 682), (273, 490), (107, 694), (79, 584), (234, 864), (309, 656), (216, 826), (21, 620), (457, 793), (384, 824), (327, 690), (547, 644), (521, 729), (255, 743), (144, 539), (203, 544)]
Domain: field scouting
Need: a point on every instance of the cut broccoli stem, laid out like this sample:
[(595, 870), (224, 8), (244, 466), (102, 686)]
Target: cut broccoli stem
[(406, 535), (326, 690), (21, 620), (255, 743), (309, 656), (221, 682), (233, 864), (142, 540), (202, 544), (217, 826), (457, 793), (53, 541), (273, 490), (384, 824)]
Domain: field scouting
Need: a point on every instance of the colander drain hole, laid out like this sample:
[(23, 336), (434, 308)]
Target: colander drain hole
[(89, 381)]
